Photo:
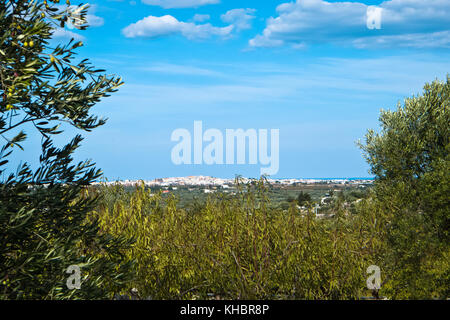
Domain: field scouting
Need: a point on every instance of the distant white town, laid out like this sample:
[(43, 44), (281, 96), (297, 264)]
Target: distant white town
[(212, 181)]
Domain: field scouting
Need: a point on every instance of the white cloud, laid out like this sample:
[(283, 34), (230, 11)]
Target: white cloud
[(345, 22), (240, 18), (94, 21), (178, 69), (201, 17), (255, 84), (264, 41), (299, 46), (171, 4), (414, 40), (152, 27), (60, 33)]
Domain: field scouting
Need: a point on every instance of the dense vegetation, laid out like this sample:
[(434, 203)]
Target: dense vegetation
[(235, 246), (43, 217)]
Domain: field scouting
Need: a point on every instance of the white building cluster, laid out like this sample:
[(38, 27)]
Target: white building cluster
[(212, 181)]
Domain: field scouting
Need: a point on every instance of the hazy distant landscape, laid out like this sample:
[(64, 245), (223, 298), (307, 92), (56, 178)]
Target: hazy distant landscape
[(281, 192)]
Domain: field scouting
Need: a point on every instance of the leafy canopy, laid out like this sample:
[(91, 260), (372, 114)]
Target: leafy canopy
[(45, 223)]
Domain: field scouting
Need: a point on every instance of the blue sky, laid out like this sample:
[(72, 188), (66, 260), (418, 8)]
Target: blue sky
[(311, 69)]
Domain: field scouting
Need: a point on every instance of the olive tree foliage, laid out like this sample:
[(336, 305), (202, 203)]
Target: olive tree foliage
[(45, 221), (410, 161)]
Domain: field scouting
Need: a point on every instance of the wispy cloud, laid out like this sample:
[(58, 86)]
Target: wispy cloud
[(251, 85), (170, 4), (240, 18), (61, 33), (201, 17), (411, 40), (178, 69), (405, 23)]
